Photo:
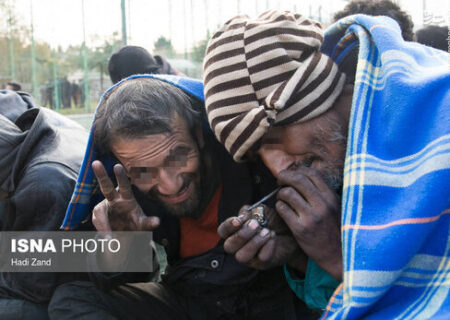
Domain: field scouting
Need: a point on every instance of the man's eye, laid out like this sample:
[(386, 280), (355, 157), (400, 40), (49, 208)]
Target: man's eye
[(178, 156), (308, 161), (180, 151), (139, 172)]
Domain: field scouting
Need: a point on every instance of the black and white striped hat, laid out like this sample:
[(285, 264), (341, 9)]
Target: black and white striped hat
[(266, 71)]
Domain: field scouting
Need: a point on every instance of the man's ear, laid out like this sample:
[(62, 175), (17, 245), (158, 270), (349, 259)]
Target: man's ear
[(199, 137)]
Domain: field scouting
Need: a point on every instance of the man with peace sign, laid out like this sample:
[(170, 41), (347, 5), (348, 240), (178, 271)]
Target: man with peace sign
[(174, 179)]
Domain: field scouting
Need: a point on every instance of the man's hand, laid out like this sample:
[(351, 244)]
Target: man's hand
[(257, 247), (312, 211), (120, 210)]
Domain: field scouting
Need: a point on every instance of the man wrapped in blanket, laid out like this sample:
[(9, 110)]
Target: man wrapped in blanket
[(360, 148)]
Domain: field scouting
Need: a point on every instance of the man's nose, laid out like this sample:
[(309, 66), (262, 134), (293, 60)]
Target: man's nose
[(169, 182), (275, 161)]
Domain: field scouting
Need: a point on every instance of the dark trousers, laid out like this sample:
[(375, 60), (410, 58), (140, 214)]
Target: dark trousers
[(82, 300)]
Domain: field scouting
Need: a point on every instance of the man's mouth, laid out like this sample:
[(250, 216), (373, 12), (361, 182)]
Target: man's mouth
[(181, 196)]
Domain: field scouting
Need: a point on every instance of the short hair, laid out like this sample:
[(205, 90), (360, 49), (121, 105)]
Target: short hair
[(140, 107), (380, 8), (130, 60), (434, 36), (16, 86)]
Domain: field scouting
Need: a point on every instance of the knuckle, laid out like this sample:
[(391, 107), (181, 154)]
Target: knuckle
[(288, 192), (244, 209), (229, 247), (324, 209), (333, 207), (96, 224), (283, 175), (258, 241), (97, 211), (309, 171), (330, 207), (280, 206), (222, 229), (283, 193), (308, 226), (264, 258), (244, 231), (242, 257), (299, 176), (243, 235), (102, 181), (96, 221), (107, 189), (317, 219), (226, 224)]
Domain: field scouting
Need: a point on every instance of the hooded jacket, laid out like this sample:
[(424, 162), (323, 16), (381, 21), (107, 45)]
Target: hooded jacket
[(40, 155)]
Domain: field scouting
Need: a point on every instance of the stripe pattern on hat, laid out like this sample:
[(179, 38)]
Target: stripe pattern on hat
[(266, 71)]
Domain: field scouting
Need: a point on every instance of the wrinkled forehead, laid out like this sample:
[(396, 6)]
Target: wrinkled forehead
[(168, 149)]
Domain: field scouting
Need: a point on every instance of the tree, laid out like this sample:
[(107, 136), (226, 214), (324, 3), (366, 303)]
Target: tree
[(99, 56), (19, 38), (164, 47), (199, 50)]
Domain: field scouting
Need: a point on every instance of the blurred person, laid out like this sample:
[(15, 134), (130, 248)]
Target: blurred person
[(176, 180), (380, 8), (365, 195), (47, 95), (434, 36), (76, 95), (131, 60), (13, 86), (40, 155), (65, 88)]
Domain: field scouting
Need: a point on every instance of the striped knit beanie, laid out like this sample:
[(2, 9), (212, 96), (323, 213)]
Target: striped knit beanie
[(263, 72)]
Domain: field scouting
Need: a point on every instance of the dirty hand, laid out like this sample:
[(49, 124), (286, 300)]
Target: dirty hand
[(311, 210), (255, 246), (120, 210)]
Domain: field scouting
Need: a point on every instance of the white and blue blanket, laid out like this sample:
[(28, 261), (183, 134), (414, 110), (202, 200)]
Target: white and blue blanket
[(396, 199)]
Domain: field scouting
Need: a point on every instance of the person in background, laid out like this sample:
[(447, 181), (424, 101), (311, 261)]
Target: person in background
[(131, 60), (13, 86), (380, 8), (434, 36)]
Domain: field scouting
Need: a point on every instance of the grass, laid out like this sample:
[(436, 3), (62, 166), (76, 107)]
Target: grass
[(75, 110)]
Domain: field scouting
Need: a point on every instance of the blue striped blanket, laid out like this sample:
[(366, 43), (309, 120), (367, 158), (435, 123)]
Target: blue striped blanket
[(396, 199), (87, 192)]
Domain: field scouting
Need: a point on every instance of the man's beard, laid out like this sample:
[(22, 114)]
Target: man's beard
[(188, 207), (333, 175), (333, 172)]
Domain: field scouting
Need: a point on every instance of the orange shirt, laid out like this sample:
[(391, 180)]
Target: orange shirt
[(200, 235)]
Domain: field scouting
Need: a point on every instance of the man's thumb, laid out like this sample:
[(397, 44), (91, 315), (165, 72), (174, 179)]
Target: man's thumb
[(150, 223)]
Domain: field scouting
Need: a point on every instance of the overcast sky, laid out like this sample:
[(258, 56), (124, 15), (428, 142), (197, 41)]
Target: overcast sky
[(59, 22)]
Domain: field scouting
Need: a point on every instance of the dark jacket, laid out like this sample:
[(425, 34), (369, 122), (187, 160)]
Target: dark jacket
[(41, 154), (13, 104), (213, 275)]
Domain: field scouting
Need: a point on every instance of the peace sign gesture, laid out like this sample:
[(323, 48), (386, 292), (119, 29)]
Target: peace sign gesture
[(120, 210)]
